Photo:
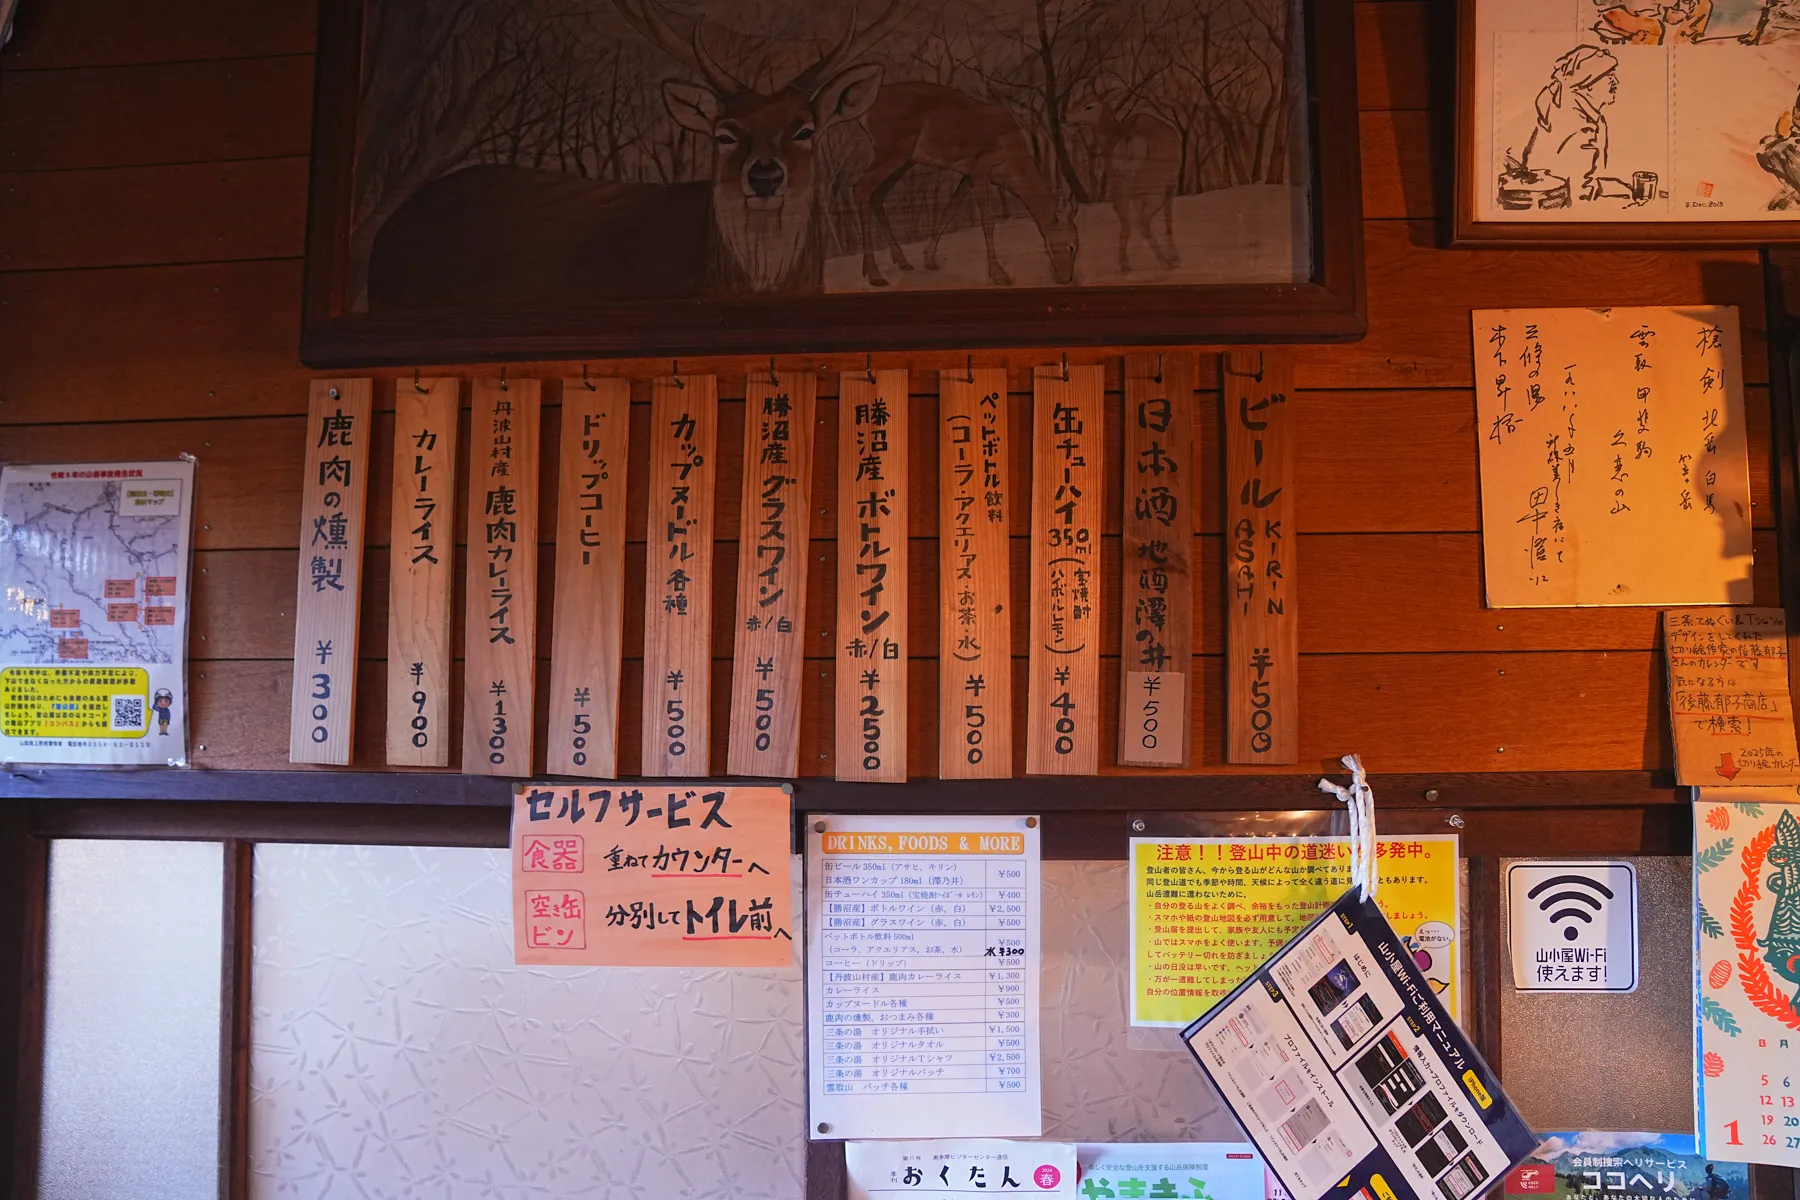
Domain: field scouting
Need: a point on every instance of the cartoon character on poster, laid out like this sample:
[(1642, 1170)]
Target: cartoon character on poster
[(1747, 913)]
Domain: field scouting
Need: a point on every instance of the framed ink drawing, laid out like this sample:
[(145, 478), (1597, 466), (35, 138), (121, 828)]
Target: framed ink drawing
[(521, 179), (1647, 122)]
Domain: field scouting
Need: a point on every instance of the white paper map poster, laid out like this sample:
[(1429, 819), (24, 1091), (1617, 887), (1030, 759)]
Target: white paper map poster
[(1747, 974), (94, 612)]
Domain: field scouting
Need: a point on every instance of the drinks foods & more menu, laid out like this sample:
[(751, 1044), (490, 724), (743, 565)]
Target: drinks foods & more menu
[(922, 976)]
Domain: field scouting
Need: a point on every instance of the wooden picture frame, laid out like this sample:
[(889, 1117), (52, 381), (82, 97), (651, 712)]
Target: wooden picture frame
[(1469, 230), (1327, 306)]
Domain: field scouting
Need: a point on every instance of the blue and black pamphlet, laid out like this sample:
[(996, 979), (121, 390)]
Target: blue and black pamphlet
[(1344, 1068)]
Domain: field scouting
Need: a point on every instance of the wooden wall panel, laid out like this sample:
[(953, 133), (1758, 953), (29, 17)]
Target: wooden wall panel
[(160, 113), (147, 108), (1424, 600), (100, 33), (140, 216)]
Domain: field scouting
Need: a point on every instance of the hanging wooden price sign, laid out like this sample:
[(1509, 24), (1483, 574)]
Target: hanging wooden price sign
[(974, 577), (1156, 611), (1262, 645), (1062, 721), (421, 557), (872, 562), (774, 528), (587, 643), (678, 566), (333, 503), (500, 631)]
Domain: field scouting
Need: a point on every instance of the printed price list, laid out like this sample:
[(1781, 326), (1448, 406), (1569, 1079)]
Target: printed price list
[(924, 975)]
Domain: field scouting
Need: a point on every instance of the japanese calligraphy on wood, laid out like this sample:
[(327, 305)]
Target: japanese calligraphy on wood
[(333, 503), (587, 641), (500, 600), (678, 564), (975, 577), (1262, 646), (1156, 611), (1613, 468), (872, 570), (421, 558), (1062, 717), (774, 529), (652, 877), (1729, 704)]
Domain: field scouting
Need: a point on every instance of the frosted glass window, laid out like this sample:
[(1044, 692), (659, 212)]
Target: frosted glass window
[(396, 1050), (131, 1024)]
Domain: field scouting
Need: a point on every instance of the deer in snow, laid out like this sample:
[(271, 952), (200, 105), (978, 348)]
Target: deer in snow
[(508, 234), (1142, 154), (926, 123)]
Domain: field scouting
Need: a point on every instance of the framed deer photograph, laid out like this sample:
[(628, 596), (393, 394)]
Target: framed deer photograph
[(523, 179), (1645, 122)]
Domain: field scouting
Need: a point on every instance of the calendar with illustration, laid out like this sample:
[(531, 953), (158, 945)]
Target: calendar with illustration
[(1747, 974)]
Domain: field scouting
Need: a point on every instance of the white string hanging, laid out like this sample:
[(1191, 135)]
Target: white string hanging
[(1360, 800)]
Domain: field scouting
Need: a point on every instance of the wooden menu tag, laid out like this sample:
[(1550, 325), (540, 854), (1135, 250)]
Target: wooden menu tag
[(974, 577), (872, 570), (1156, 612), (500, 597), (1068, 483), (587, 641), (333, 503), (678, 567), (774, 531), (1729, 705), (1262, 655), (421, 562)]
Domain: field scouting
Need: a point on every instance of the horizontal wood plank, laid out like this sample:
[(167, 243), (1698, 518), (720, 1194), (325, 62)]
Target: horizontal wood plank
[(1420, 297), (1403, 712), (193, 340), (138, 216), (1369, 462), (108, 33), (1426, 597), (156, 113)]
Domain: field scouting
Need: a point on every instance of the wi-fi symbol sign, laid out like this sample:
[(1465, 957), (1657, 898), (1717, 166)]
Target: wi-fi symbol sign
[(1571, 899)]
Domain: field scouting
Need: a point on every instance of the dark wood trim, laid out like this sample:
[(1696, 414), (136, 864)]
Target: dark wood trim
[(1146, 793), (337, 83), (826, 1175), (1487, 957), (24, 894), (1651, 235), (234, 1022), (1771, 1183), (1781, 303), (1330, 307), (1068, 833)]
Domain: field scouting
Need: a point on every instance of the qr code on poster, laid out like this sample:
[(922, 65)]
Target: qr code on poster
[(128, 713)]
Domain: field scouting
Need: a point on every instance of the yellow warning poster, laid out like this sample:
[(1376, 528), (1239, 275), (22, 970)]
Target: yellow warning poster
[(1206, 912)]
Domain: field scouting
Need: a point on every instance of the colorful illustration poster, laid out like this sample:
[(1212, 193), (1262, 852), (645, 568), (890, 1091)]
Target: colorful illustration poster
[(1603, 1165), (1196, 1170), (936, 1170), (1747, 974), (1340, 1062), (652, 876), (94, 604), (1206, 912)]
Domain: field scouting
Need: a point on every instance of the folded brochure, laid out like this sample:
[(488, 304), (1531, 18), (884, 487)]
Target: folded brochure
[(1348, 1074)]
